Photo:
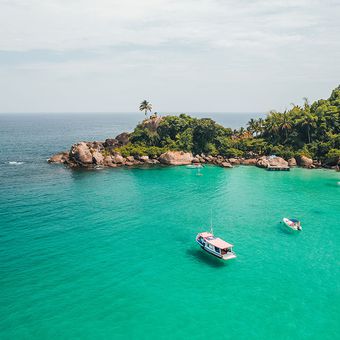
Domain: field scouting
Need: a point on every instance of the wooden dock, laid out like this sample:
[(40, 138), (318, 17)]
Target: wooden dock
[(278, 168)]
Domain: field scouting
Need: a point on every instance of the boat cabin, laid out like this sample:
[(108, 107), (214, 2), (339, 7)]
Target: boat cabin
[(292, 223), (215, 246)]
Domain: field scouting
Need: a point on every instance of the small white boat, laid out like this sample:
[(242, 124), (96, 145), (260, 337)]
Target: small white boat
[(195, 166), (215, 246), (292, 223)]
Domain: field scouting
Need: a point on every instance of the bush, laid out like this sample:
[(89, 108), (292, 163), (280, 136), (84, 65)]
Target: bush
[(210, 149), (283, 151), (303, 152), (333, 154), (137, 150), (232, 152)]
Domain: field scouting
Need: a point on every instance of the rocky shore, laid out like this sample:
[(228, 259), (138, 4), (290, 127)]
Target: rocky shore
[(103, 154)]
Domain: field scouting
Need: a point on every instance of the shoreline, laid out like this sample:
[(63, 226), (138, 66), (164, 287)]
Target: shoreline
[(88, 158)]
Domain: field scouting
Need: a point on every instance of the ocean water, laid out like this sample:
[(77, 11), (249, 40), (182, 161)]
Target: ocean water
[(111, 254)]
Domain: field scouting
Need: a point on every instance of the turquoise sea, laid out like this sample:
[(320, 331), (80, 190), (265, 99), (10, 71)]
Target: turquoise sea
[(111, 254)]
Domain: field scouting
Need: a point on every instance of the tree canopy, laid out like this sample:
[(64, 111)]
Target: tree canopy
[(310, 129), (145, 106)]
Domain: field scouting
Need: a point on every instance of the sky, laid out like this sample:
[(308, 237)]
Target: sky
[(181, 55)]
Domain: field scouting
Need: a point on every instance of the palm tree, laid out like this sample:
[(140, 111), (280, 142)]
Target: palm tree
[(252, 126), (285, 124), (306, 104), (309, 121), (145, 106), (260, 125)]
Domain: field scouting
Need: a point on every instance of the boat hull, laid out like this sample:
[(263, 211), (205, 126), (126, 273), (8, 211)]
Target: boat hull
[(209, 251), (289, 224), (224, 257)]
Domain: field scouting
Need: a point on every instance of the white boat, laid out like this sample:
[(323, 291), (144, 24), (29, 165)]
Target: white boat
[(292, 223), (215, 246), (195, 166)]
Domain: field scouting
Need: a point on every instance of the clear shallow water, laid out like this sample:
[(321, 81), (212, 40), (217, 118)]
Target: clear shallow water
[(111, 253)]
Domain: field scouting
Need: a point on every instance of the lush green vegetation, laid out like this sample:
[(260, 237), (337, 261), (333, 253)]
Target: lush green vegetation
[(312, 130)]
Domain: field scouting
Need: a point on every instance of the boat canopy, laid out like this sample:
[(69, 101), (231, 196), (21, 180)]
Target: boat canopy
[(215, 241), (219, 243), (294, 220), (206, 234)]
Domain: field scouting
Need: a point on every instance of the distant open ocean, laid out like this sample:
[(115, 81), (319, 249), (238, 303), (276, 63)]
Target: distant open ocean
[(111, 254)]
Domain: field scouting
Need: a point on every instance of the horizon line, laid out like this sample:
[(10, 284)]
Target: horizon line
[(132, 112)]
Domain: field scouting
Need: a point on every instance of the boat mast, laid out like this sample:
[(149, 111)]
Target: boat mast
[(211, 225)]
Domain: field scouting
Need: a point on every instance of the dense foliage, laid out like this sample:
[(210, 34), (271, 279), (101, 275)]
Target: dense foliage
[(310, 130)]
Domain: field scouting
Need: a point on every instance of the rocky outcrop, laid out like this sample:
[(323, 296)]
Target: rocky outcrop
[(292, 162), (265, 162), (226, 165), (98, 158), (317, 164), (62, 157), (262, 162), (250, 161), (118, 159), (234, 161), (123, 138), (152, 123), (306, 162), (176, 158), (153, 161), (278, 161), (81, 153), (92, 154), (144, 159), (110, 143), (107, 161)]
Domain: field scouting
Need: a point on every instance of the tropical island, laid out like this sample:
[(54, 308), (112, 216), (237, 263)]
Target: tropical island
[(307, 135)]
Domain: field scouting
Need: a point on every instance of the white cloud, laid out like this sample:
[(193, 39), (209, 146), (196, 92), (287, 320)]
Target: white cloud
[(69, 24), (222, 43)]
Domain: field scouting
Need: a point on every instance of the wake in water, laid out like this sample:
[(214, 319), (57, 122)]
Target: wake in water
[(15, 163)]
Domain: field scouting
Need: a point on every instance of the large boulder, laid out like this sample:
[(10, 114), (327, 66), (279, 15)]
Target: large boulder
[(306, 162), (110, 143), (234, 161), (107, 161), (152, 161), (278, 161), (144, 158), (81, 153), (95, 145), (98, 158), (130, 158), (176, 158), (118, 159), (123, 138), (249, 161), (265, 162), (292, 162), (226, 165), (61, 157), (152, 123), (262, 162)]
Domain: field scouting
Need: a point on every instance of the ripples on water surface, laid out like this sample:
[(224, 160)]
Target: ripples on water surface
[(111, 253)]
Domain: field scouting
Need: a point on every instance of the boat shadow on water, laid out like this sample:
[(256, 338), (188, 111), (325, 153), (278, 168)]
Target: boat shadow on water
[(202, 256)]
